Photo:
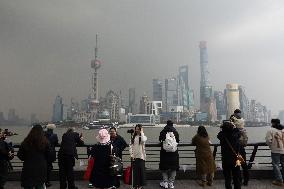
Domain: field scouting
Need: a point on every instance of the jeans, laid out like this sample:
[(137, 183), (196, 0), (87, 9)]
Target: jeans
[(276, 160), (169, 175)]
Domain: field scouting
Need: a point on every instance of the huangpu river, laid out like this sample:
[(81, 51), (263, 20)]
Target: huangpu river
[(255, 134)]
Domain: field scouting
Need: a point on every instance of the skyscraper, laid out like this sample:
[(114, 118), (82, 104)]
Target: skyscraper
[(157, 90), (57, 109), (186, 93), (145, 105), (232, 98), (281, 116), (171, 93), (205, 88), (244, 103), (131, 100), (220, 105)]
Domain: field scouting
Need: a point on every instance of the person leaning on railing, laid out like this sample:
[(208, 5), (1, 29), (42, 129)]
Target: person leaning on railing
[(274, 139), (205, 163), (34, 152)]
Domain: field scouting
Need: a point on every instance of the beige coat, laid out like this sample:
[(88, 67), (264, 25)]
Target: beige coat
[(205, 162)]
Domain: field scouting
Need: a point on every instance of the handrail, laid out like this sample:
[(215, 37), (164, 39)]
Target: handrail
[(186, 153)]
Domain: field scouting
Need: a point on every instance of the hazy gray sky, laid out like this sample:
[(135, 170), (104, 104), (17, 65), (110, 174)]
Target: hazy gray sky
[(46, 47)]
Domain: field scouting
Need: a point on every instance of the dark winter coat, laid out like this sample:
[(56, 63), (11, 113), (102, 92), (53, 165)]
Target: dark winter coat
[(119, 145), (35, 165), (233, 136), (205, 163), (168, 160), (100, 175), (70, 140), (53, 141)]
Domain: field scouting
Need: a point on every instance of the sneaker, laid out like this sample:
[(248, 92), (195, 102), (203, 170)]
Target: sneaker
[(90, 185), (164, 184), (209, 183), (277, 183), (171, 185), (202, 183)]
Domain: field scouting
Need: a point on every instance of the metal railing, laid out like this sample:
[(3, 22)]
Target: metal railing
[(258, 156)]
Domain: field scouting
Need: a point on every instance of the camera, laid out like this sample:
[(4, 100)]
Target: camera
[(130, 131)]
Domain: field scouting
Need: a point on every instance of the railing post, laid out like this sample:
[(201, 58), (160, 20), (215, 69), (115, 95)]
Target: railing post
[(252, 157), (215, 151)]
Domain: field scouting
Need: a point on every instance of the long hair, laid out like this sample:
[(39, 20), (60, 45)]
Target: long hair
[(135, 134), (36, 139), (201, 131)]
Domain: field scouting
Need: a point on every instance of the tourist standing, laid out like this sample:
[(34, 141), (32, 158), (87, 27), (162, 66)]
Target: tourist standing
[(53, 142), (274, 139), (102, 151), (169, 158), (239, 122), (138, 155), (6, 154), (119, 145), (66, 157), (205, 164), (230, 146), (34, 151)]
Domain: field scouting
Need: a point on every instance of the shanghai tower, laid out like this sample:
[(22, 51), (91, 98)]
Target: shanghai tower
[(205, 86)]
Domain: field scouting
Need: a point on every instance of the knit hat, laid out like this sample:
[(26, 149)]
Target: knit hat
[(170, 123), (276, 121), (237, 111), (103, 136), (50, 126)]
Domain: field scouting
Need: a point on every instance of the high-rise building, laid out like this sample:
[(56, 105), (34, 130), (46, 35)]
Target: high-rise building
[(157, 90), (145, 105), (12, 117), (220, 105), (281, 116), (206, 91), (34, 119), (2, 118), (185, 92), (171, 93), (57, 109), (232, 98), (131, 100), (112, 105), (244, 103)]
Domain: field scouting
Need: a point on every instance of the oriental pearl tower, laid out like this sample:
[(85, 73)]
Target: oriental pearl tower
[(95, 65)]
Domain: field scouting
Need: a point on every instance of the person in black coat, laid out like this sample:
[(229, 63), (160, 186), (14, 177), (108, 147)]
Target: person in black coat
[(34, 151), (6, 154), (101, 152), (66, 157), (53, 141), (169, 161), (230, 135), (119, 145)]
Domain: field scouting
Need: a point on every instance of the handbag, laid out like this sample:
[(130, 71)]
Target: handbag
[(89, 169), (240, 160), (116, 166), (127, 176)]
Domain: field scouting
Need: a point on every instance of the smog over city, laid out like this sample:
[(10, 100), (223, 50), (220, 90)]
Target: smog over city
[(46, 49)]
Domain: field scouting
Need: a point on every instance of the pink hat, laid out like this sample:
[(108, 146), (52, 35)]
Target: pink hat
[(103, 136)]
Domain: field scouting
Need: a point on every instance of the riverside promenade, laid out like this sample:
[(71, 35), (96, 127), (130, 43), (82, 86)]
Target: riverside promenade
[(180, 184)]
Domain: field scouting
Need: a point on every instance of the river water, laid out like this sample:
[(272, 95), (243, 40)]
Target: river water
[(255, 134)]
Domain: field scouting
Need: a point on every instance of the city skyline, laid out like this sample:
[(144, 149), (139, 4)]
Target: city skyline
[(46, 48)]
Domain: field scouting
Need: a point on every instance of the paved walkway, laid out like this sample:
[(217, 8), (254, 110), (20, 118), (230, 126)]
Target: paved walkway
[(180, 184)]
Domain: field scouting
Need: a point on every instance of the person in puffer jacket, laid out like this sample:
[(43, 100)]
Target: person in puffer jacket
[(274, 139)]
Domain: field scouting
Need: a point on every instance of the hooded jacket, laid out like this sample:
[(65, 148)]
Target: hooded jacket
[(275, 140)]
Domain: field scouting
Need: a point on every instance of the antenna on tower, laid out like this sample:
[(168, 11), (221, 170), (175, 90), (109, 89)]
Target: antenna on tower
[(96, 47)]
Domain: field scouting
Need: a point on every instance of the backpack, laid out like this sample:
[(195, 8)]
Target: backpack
[(170, 143), (243, 137)]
